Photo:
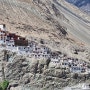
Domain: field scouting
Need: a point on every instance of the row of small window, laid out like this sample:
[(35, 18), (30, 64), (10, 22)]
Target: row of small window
[(77, 68), (3, 38), (65, 64), (26, 48), (40, 55), (11, 45)]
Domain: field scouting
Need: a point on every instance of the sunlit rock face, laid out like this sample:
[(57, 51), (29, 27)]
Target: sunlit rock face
[(83, 4)]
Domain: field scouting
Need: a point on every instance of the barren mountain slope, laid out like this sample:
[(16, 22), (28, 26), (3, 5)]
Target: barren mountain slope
[(46, 14)]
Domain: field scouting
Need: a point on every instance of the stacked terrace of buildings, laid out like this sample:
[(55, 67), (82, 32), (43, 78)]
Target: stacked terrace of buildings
[(3, 35), (15, 42), (75, 65), (35, 51), (11, 40)]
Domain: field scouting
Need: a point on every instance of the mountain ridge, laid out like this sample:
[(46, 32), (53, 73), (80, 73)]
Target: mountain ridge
[(82, 4)]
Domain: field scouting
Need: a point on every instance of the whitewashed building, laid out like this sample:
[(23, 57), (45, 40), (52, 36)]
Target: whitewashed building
[(77, 69), (3, 27)]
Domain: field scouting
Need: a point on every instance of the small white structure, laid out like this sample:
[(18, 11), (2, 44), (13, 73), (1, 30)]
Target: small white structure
[(3, 27), (85, 86), (55, 60), (77, 69)]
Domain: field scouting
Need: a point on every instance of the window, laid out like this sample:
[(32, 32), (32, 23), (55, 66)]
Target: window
[(45, 55), (30, 45), (65, 63), (9, 45), (56, 57), (1, 38)]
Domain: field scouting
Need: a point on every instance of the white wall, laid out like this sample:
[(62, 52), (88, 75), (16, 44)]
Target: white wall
[(10, 43), (54, 60), (1, 26)]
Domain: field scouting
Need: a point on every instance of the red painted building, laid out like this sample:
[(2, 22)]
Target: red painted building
[(11, 39), (18, 40)]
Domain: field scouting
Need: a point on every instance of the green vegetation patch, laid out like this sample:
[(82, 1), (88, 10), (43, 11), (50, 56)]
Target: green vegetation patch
[(4, 85)]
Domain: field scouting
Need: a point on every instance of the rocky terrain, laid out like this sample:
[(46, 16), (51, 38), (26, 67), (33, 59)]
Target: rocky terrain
[(25, 73), (61, 26)]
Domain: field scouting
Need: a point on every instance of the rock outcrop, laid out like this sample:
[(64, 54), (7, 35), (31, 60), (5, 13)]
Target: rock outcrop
[(37, 73)]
